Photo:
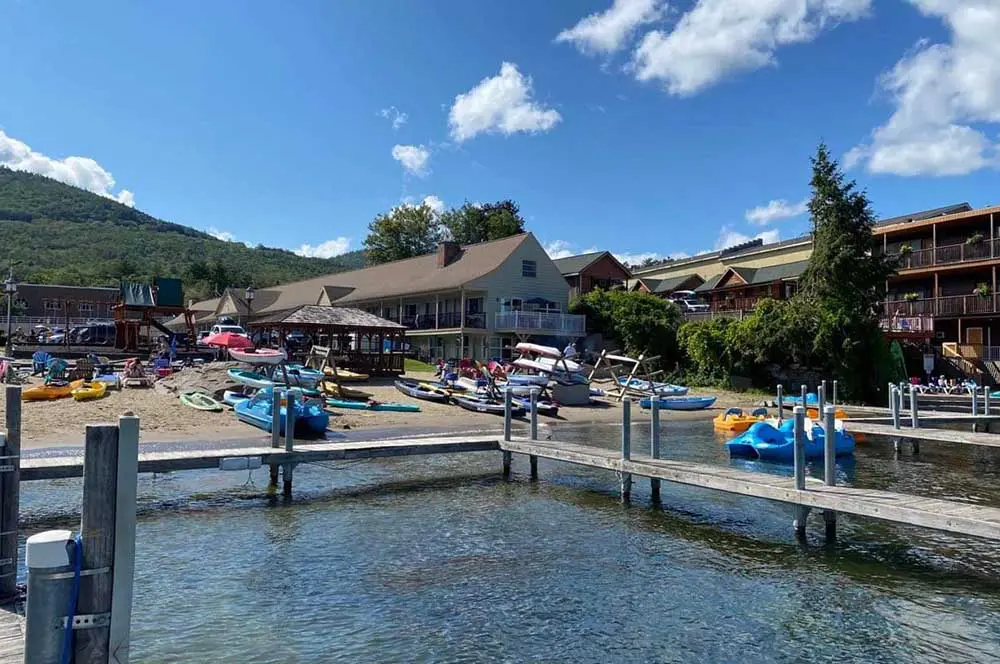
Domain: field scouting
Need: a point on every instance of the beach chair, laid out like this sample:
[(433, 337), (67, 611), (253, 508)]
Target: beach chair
[(84, 369), (39, 362)]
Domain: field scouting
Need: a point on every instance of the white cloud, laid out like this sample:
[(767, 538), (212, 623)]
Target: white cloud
[(560, 249), (943, 93), (328, 249), (434, 203), (610, 30), (777, 209), (82, 172), (395, 116), (718, 38), (729, 237), (414, 158), (501, 104), (218, 234)]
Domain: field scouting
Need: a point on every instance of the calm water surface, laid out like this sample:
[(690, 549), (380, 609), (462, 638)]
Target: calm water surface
[(437, 559)]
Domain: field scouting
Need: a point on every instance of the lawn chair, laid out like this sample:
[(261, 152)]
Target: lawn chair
[(84, 369), (39, 362)]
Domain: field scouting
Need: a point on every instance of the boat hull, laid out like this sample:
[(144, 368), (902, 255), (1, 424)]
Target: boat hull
[(680, 403), (261, 356)]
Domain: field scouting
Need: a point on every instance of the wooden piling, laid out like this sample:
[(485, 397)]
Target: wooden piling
[(10, 494), (626, 478), (275, 436), (124, 558), (289, 468), (97, 530), (532, 459), (654, 446), (508, 405)]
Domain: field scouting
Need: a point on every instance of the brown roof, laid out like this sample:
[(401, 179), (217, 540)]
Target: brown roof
[(320, 316)]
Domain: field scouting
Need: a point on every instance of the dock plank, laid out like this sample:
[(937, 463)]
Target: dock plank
[(925, 434), (11, 635)]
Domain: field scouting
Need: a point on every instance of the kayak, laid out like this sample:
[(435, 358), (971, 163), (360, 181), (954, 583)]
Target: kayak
[(51, 391), (249, 378), (680, 403), (345, 376), (538, 349), (422, 391), (735, 420), (559, 364), (527, 379), (259, 356), (373, 405), (90, 390), (299, 375), (663, 389), (487, 405), (200, 401), (341, 392), (231, 398), (545, 407)]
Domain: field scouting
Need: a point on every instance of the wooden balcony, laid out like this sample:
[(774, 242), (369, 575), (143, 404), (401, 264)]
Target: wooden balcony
[(951, 306), (948, 255)]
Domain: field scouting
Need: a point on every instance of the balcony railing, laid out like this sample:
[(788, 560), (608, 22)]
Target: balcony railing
[(948, 254), (942, 307), (541, 322), (444, 321)]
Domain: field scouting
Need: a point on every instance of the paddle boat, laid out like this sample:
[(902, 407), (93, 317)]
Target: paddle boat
[(258, 356), (423, 391), (53, 390), (483, 404), (200, 401), (679, 403), (310, 417), (373, 405), (765, 441), (662, 389), (89, 390), (735, 420), (249, 378), (231, 398)]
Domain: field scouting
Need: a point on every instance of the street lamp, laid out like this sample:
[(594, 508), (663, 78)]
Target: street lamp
[(9, 290), (248, 295)]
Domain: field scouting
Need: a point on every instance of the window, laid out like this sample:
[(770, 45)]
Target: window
[(529, 269), (52, 305), (474, 305), (86, 308)]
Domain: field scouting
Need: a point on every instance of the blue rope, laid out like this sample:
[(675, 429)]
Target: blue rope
[(67, 652)]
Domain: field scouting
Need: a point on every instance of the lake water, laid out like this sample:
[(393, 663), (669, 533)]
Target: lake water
[(437, 559)]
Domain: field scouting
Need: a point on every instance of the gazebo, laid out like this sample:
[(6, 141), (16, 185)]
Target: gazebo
[(362, 341)]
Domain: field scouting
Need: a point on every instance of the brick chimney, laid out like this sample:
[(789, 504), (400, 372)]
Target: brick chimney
[(447, 252)]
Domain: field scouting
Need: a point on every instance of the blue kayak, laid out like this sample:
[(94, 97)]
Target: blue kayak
[(662, 389), (679, 403), (811, 399), (765, 441), (310, 418)]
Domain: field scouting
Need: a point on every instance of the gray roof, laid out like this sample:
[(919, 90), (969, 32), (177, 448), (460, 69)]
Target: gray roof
[(669, 285), (321, 316), (926, 214), (729, 252), (760, 275), (576, 264)]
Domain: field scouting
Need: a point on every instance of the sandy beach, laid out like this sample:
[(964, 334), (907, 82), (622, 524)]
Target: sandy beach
[(164, 418)]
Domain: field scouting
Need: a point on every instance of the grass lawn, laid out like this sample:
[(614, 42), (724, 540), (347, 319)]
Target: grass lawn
[(417, 366)]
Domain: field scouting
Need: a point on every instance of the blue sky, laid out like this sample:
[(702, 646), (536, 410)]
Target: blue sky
[(638, 126)]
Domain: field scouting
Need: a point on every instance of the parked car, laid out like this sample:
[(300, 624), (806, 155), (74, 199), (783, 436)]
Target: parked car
[(234, 329), (297, 341), (200, 341), (688, 301), (96, 334)]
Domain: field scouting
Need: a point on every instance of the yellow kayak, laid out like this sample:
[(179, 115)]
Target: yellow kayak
[(46, 392), (345, 376), (340, 392), (736, 421), (90, 390)]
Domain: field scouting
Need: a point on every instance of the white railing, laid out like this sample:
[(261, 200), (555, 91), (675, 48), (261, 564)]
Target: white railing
[(541, 322), (51, 321)]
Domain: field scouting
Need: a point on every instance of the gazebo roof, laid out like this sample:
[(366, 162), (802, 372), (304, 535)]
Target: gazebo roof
[(314, 315)]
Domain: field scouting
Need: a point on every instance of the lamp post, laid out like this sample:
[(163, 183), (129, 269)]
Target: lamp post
[(9, 290), (248, 295)]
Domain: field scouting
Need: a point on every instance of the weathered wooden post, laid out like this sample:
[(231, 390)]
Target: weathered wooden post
[(781, 403), (626, 477), (533, 459), (830, 464), (275, 435), (799, 461), (49, 557), (508, 405), (97, 533), (123, 572), (10, 494), (288, 469), (654, 445)]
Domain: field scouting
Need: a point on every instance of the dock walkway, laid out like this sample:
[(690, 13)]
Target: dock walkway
[(11, 635), (921, 434)]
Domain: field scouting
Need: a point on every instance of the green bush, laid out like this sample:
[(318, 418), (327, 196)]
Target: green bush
[(641, 323)]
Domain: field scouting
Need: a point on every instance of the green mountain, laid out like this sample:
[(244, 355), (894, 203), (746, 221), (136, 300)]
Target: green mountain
[(60, 234)]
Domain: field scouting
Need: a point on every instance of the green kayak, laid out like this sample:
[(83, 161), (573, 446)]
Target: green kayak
[(370, 405), (200, 401)]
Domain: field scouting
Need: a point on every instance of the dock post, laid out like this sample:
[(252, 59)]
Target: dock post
[(804, 392), (892, 398), (975, 401), (11, 494), (123, 572), (895, 403), (50, 589), (986, 400), (834, 400), (532, 459), (288, 469), (508, 405), (781, 403), (275, 436), (799, 459), (821, 400), (626, 478), (914, 418), (830, 465), (97, 533), (654, 446)]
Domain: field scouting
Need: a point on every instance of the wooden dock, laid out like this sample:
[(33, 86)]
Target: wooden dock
[(922, 434), (11, 635), (948, 516)]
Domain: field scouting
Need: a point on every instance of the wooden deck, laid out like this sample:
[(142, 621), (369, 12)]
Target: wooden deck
[(11, 635), (922, 434), (949, 516)]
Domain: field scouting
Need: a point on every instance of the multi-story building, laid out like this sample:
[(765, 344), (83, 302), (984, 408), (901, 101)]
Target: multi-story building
[(587, 272), (47, 304), (474, 301)]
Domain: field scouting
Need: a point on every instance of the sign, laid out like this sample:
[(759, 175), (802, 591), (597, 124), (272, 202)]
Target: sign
[(928, 363)]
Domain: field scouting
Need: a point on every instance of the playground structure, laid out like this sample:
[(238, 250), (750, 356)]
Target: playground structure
[(141, 305)]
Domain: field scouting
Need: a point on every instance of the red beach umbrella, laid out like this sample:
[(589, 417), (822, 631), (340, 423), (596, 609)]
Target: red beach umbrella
[(228, 340)]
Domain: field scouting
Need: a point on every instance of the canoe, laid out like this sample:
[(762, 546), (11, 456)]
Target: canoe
[(680, 403), (345, 376), (231, 398), (370, 405), (200, 401), (487, 405), (765, 441), (341, 392), (310, 418), (663, 389), (90, 390), (735, 420), (259, 356), (422, 391), (51, 391), (249, 378)]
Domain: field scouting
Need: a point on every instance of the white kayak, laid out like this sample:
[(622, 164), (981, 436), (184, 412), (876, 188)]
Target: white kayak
[(560, 364), (532, 365), (259, 356), (538, 349)]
